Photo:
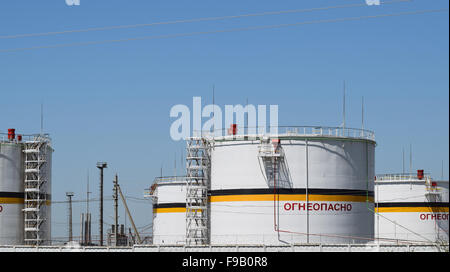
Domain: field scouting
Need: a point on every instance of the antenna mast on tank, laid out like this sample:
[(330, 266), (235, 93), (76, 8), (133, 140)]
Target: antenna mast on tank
[(403, 160), (214, 111), (343, 110), (362, 113), (410, 158), (42, 119)]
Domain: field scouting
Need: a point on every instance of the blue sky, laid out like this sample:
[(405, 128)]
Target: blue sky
[(111, 101)]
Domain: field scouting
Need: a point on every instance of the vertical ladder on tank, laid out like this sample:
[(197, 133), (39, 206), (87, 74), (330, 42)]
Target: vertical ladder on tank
[(270, 158), (197, 187), (35, 184), (432, 195)]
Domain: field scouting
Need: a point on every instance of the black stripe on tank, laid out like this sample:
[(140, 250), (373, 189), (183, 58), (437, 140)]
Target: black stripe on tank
[(12, 194), (285, 191), (169, 205), (22, 195), (412, 204)]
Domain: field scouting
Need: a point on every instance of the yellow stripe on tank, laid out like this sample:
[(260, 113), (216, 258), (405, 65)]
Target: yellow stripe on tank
[(18, 200), (11, 200)]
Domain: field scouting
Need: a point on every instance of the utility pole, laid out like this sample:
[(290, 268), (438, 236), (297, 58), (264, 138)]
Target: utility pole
[(88, 216), (129, 214), (116, 204), (101, 166), (69, 196)]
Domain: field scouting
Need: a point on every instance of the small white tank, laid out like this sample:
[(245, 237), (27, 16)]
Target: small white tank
[(169, 210), (411, 207)]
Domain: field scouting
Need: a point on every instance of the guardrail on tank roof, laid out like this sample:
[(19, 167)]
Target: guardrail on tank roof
[(239, 248), (25, 138), (286, 131), (401, 177), (170, 179)]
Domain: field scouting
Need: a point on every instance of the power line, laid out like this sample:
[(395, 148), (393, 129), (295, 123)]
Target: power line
[(134, 199), (194, 20), (224, 30)]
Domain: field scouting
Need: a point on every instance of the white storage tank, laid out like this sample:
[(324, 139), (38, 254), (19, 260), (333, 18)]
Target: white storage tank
[(25, 189), (305, 184), (169, 210), (411, 207), (11, 191)]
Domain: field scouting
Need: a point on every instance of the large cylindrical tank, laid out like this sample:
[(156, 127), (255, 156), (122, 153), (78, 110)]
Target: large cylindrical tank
[(11, 193), (169, 211), (303, 185), (410, 208)]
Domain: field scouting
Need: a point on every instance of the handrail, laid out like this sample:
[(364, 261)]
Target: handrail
[(401, 177), (169, 179), (25, 138), (285, 131)]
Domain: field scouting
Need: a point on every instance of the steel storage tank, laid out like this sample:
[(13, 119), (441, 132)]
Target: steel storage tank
[(25, 189), (411, 207), (11, 192), (302, 185), (169, 210)]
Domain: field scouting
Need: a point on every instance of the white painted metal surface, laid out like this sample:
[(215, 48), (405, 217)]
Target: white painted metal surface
[(333, 168), (169, 213), (11, 193), (411, 209)]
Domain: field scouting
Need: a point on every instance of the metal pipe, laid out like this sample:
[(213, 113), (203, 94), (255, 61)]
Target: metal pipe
[(101, 166), (69, 195), (306, 191), (101, 207), (82, 229)]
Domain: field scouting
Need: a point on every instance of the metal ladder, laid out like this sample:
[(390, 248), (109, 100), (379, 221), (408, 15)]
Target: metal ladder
[(275, 164), (270, 156), (35, 193), (432, 195), (197, 187)]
